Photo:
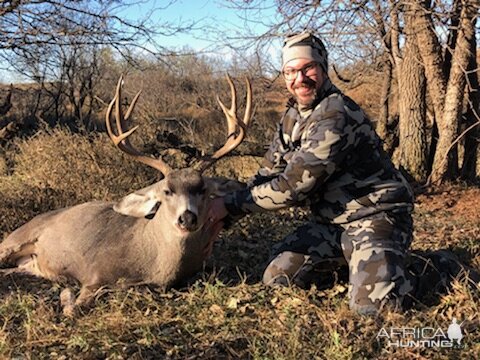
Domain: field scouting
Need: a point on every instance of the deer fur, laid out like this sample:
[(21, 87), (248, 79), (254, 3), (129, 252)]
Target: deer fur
[(136, 240)]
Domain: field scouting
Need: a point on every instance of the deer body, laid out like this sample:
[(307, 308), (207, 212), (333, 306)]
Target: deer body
[(156, 235), (97, 246), (76, 243)]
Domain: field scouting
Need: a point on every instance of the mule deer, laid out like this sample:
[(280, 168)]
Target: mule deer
[(153, 236)]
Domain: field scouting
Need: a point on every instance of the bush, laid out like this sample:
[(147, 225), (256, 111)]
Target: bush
[(58, 168)]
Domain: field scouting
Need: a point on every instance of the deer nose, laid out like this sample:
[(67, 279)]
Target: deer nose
[(188, 220)]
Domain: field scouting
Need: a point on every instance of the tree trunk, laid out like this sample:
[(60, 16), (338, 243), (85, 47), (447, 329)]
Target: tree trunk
[(449, 124), (384, 97), (469, 166), (383, 116), (452, 36), (431, 53), (412, 107)]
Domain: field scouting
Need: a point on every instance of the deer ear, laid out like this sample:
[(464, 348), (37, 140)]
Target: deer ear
[(221, 186), (141, 203)]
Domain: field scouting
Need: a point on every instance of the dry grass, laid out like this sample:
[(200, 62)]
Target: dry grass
[(225, 313), (57, 168)]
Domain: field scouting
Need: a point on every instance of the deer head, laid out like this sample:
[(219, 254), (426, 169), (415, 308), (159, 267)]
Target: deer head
[(180, 199)]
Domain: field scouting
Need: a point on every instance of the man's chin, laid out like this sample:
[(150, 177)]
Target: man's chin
[(305, 99)]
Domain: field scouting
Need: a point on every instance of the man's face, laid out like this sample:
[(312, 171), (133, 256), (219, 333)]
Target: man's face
[(303, 77)]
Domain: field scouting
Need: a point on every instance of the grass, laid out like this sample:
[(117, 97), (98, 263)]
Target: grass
[(225, 312), (205, 322)]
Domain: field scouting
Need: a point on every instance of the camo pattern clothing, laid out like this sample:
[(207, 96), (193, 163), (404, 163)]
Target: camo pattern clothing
[(371, 252), (329, 158)]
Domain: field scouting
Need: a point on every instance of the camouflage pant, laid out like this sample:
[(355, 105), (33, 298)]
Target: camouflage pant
[(372, 251)]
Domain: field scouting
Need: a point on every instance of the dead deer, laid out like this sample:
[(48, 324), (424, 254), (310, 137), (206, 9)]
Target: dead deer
[(155, 235)]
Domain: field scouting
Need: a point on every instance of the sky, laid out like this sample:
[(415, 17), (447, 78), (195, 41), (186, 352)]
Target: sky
[(188, 10), (201, 11)]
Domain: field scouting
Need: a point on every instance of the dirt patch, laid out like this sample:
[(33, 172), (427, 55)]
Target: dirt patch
[(448, 218), (461, 203)]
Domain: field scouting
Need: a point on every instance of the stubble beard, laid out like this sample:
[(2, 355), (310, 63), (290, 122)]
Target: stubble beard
[(306, 98)]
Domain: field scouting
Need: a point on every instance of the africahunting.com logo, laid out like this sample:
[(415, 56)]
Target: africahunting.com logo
[(423, 337)]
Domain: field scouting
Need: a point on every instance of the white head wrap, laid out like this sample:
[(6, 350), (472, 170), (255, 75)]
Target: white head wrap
[(304, 46)]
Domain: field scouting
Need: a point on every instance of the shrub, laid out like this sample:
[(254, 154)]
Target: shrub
[(58, 168)]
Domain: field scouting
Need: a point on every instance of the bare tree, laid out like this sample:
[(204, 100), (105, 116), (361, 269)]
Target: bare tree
[(382, 121), (469, 166), (28, 24), (57, 44), (448, 114), (412, 93)]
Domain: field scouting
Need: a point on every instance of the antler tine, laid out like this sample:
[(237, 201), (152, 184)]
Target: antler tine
[(118, 107), (132, 105), (248, 106), (236, 128), (232, 120), (230, 114), (122, 136), (121, 140)]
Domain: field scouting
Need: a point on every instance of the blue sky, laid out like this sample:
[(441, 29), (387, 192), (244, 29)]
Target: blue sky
[(215, 20), (202, 11)]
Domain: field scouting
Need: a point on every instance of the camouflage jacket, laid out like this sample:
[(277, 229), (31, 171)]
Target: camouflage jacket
[(331, 160)]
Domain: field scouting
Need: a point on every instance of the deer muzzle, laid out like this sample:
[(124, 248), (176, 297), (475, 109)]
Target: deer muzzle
[(188, 221)]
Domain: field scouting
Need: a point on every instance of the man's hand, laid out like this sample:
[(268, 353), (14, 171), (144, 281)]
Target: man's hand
[(213, 229), (216, 214), (217, 210)]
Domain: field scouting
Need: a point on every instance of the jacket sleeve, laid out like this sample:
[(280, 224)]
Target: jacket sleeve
[(272, 163), (323, 148)]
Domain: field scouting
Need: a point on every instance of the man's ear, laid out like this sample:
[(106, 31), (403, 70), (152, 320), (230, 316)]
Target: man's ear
[(221, 186), (141, 203)]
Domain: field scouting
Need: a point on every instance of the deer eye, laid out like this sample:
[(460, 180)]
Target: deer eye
[(168, 192)]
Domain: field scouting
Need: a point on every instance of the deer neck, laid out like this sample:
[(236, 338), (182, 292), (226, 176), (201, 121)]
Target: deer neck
[(180, 254)]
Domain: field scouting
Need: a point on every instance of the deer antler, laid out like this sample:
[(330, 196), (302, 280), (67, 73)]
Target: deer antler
[(236, 129), (121, 140)]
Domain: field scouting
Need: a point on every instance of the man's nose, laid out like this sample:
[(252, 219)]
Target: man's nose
[(299, 78)]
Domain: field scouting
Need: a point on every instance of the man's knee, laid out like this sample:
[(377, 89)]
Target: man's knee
[(372, 298), (378, 279)]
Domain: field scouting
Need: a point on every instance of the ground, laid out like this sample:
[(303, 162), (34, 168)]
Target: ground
[(226, 313), (457, 201), (449, 217)]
